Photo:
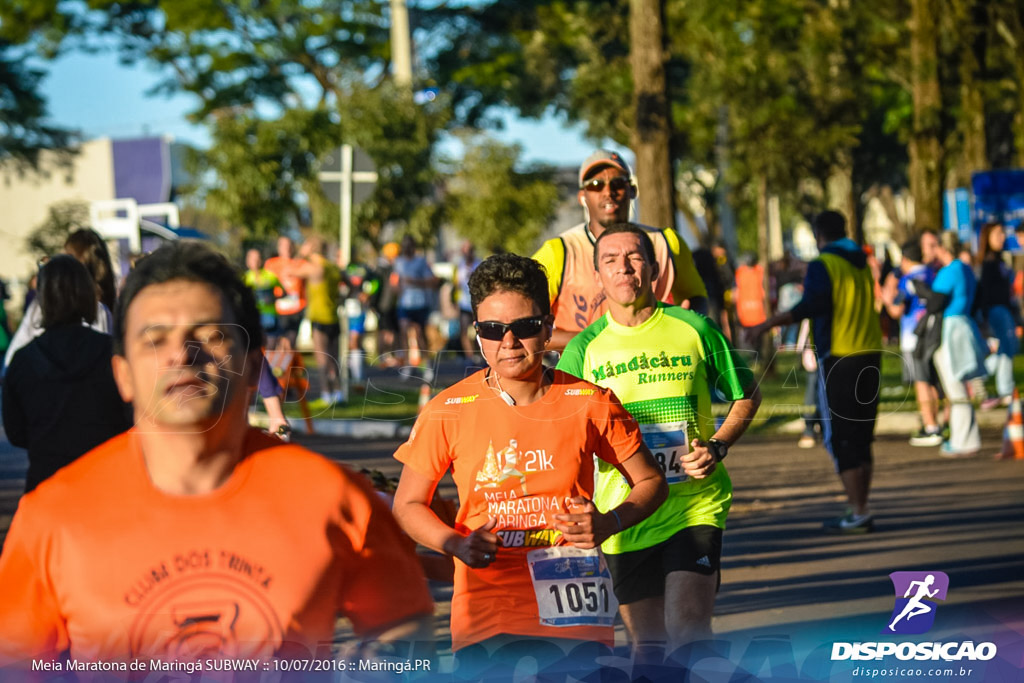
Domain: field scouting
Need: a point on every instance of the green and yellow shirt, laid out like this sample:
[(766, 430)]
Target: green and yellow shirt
[(663, 371)]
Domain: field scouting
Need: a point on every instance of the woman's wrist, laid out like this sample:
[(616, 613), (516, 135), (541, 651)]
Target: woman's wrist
[(452, 543)]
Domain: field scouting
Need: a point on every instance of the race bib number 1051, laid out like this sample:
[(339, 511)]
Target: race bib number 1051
[(573, 587)]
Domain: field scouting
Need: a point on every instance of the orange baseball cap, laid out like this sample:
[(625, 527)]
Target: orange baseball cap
[(602, 157)]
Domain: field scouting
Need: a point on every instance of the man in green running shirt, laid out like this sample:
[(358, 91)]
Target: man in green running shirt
[(663, 362)]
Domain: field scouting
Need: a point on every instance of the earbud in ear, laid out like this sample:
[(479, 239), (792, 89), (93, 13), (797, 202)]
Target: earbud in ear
[(582, 202)]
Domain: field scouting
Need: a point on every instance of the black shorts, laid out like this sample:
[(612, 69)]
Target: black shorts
[(387, 321), (418, 316), (290, 323), (848, 398), (640, 574), (330, 329), (917, 370)]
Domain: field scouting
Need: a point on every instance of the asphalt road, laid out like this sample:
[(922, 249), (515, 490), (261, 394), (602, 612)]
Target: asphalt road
[(784, 581)]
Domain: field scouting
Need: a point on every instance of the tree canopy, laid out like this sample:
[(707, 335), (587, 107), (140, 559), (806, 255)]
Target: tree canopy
[(820, 102), (24, 131), (495, 206)]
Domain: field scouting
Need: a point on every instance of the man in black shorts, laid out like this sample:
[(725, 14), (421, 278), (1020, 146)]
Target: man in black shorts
[(663, 362), (839, 297)]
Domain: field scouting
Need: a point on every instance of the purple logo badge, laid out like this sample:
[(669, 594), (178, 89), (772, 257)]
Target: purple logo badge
[(915, 595)]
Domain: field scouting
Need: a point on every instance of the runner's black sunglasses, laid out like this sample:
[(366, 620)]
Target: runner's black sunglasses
[(617, 184), (524, 328)]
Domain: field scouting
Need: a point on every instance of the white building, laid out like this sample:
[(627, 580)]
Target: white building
[(142, 169)]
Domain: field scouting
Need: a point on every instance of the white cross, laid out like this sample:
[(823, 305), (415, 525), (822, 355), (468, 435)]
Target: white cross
[(346, 177)]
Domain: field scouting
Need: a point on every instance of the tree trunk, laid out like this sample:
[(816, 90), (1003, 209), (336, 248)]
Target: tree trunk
[(840, 193), (924, 149), (1012, 31), (901, 231), (650, 100), (723, 190), (971, 17)]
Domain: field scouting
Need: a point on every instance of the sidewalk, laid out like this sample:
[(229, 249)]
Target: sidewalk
[(891, 423), (906, 421), (897, 409)]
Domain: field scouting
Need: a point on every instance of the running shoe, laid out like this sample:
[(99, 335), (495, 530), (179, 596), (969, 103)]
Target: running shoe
[(947, 451), (925, 437), (807, 441), (849, 524)]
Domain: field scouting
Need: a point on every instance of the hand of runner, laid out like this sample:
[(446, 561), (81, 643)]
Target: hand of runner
[(756, 331), (699, 462), (279, 427), (479, 548), (586, 526)]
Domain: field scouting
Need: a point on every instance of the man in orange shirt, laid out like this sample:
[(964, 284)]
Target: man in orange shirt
[(749, 298), (192, 536), (290, 271)]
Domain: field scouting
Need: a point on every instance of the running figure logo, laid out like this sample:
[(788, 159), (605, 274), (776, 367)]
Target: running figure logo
[(915, 610), (500, 466)]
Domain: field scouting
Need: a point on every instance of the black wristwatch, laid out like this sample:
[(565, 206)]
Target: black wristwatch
[(719, 449)]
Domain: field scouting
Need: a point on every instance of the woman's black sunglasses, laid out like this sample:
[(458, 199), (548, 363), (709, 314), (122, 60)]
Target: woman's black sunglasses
[(524, 328)]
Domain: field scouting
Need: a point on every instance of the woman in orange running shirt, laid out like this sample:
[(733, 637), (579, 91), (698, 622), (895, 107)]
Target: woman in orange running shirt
[(518, 439)]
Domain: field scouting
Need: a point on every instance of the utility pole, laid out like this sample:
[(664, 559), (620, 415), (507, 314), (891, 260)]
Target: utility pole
[(401, 44)]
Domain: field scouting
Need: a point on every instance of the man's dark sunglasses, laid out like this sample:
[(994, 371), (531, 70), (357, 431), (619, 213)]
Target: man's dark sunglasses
[(524, 328), (617, 184)]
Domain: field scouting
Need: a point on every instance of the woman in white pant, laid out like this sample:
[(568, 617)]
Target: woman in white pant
[(961, 357)]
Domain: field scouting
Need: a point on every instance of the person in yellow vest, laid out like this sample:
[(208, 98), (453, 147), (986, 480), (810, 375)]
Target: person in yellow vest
[(606, 193), (322, 277), (839, 298)]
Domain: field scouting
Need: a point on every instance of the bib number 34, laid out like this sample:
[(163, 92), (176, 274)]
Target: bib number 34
[(668, 443)]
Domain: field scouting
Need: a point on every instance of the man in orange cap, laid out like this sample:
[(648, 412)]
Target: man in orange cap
[(606, 193)]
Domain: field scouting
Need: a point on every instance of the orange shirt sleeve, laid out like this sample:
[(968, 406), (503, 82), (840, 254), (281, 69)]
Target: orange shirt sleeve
[(383, 584), (427, 450), (616, 434), (31, 624)]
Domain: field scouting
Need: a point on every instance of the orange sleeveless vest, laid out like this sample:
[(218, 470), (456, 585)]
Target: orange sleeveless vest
[(580, 299), (750, 295)]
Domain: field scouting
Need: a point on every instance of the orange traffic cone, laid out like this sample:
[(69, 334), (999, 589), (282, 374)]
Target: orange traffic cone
[(1013, 435), (424, 397)]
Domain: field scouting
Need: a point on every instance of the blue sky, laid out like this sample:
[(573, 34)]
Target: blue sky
[(101, 97)]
